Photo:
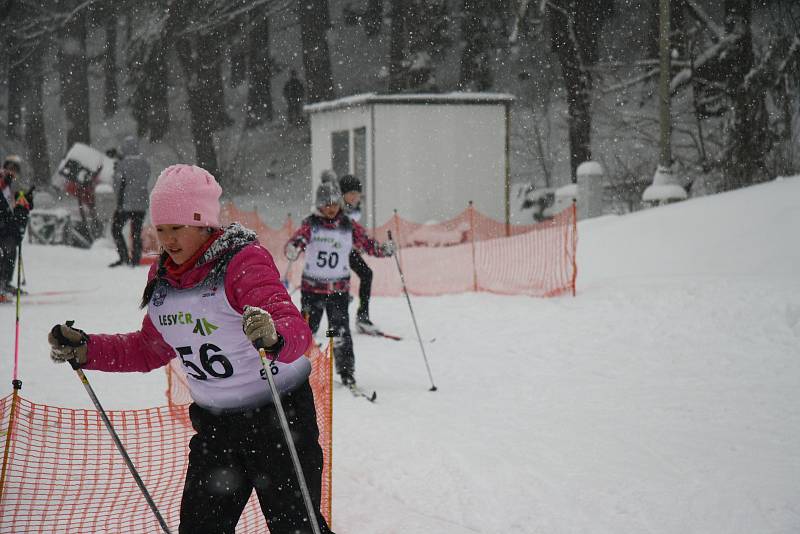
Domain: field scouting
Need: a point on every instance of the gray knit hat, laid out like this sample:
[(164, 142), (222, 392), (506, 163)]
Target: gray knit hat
[(328, 193)]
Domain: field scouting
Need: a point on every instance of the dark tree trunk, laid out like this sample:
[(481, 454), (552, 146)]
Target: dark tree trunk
[(210, 56), (475, 72), (201, 67), (150, 107), (17, 77), (678, 23), (577, 82), (259, 95), (398, 40), (110, 66), (373, 17), (748, 138), (74, 79), (35, 135), (314, 24)]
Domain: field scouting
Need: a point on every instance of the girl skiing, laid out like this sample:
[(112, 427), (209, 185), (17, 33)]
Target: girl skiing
[(328, 236), (214, 293), (350, 187)]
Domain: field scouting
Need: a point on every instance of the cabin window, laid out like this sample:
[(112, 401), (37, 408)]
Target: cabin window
[(340, 152)]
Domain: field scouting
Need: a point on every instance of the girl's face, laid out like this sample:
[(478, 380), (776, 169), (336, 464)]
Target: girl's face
[(181, 242), (330, 211), (352, 197)]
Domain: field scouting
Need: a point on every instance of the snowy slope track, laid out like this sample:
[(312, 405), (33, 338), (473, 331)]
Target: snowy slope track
[(664, 398)]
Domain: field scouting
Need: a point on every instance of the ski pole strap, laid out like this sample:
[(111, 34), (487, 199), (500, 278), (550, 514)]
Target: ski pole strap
[(274, 350)]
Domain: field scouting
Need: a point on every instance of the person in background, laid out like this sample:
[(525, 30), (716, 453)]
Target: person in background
[(295, 94), (131, 176), (327, 236), (15, 207), (214, 294), (350, 186)]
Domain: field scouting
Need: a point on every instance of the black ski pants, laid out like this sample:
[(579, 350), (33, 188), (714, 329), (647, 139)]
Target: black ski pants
[(232, 454), (335, 304), (360, 267), (120, 218), (8, 256)]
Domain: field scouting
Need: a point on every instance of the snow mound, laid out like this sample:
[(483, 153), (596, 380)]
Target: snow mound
[(747, 232)]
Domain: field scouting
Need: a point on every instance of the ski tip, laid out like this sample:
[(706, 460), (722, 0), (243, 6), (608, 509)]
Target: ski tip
[(373, 396)]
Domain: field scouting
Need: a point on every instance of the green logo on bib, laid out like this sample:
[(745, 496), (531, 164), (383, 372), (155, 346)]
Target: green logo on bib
[(204, 327)]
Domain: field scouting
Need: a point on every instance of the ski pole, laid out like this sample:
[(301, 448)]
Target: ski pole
[(21, 269), (269, 365), (19, 292), (107, 422), (413, 317), (16, 383)]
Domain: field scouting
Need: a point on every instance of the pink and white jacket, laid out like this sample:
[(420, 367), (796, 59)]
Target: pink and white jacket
[(248, 275)]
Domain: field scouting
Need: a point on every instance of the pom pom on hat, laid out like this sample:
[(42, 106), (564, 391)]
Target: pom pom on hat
[(186, 195)]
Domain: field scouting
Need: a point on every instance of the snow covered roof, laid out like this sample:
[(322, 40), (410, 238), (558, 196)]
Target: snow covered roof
[(416, 98)]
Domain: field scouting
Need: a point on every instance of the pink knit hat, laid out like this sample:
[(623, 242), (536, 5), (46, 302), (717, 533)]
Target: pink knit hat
[(186, 195)]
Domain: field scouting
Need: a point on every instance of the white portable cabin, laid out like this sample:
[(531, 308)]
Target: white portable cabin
[(425, 155)]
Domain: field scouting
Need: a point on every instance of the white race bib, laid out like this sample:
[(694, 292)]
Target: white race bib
[(328, 254), (222, 367)]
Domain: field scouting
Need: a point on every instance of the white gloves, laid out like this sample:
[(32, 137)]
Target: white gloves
[(258, 326), (292, 251), (67, 343), (388, 248)]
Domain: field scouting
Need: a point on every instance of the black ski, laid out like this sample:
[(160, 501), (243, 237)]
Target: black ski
[(358, 392)]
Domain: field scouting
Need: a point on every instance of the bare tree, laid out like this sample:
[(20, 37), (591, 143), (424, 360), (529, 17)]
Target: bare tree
[(108, 14), (259, 68), (373, 17), (314, 25), (35, 134), (17, 78), (74, 75), (398, 40), (575, 27)]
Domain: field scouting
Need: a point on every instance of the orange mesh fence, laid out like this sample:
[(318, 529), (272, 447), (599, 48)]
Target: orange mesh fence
[(63, 473), (470, 252), (320, 380)]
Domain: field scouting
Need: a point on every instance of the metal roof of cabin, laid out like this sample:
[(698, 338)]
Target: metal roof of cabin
[(408, 98)]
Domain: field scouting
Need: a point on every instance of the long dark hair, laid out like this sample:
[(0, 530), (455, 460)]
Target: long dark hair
[(153, 283)]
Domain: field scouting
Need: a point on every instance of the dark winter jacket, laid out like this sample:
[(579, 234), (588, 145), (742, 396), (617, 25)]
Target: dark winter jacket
[(14, 214), (294, 91), (131, 178)]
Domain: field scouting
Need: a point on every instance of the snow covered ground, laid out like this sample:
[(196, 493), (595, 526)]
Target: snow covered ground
[(665, 398)]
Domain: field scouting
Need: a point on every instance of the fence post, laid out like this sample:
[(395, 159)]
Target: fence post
[(9, 431), (574, 246), (471, 210)]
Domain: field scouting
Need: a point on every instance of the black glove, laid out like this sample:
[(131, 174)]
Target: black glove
[(68, 343)]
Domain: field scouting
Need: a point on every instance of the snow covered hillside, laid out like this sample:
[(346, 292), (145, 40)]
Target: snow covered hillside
[(664, 398)]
